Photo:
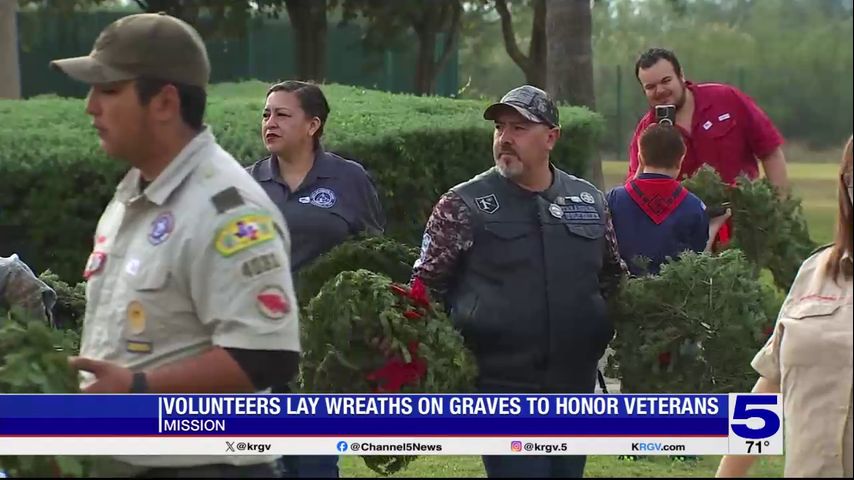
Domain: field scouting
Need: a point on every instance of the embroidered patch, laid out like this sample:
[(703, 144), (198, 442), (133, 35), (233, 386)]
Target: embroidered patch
[(94, 264), (586, 197), (244, 232), (136, 318), (272, 303), (304, 199), (555, 210), (707, 125), (139, 346), (323, 198), (227, 199), (132, 267), (723, 117), (261, 264), (161, 228), (426, 240), (488, 203)]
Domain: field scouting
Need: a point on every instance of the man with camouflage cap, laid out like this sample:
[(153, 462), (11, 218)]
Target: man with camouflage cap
[(175, 300), (524, 256)]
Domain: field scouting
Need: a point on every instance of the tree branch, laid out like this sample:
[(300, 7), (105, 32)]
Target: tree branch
[(510, 44)]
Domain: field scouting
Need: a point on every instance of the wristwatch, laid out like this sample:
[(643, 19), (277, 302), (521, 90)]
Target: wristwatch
[(139, 384)]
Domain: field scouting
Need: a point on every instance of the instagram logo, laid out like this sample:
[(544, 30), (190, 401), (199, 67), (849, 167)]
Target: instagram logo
[(516, 446)]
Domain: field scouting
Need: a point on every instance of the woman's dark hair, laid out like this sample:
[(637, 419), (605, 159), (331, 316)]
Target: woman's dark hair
[(311, 99)]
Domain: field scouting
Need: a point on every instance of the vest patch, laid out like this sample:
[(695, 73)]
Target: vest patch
[(488, 203)]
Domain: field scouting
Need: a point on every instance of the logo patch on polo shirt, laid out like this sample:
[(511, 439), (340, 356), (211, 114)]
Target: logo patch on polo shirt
[(272, 303), (244, 232), (161, 228), (723, 117), (323, 198)]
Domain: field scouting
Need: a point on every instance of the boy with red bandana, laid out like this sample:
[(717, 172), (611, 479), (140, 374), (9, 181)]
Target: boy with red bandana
[(654, 216)]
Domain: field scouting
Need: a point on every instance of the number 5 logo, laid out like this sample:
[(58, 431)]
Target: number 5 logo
[(749, 406)]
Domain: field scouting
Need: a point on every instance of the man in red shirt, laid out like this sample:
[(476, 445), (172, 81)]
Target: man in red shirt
[(722, 126)]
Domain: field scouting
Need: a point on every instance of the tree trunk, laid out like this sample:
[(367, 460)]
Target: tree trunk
[(570, 61), (424, 74), (10, 68), (537, 51), (534, 64), (308, 21), (445, 17)]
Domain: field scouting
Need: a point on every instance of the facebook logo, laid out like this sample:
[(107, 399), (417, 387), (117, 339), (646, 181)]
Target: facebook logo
[(342, 446)]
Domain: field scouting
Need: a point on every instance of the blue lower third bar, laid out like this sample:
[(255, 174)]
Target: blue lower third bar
[(434, 415)]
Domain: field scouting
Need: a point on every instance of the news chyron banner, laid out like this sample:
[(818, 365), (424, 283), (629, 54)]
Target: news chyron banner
[(398, 424)]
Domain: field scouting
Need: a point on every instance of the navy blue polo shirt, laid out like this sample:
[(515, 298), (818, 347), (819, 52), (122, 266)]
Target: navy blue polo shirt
[(337, 199), (687, 228)]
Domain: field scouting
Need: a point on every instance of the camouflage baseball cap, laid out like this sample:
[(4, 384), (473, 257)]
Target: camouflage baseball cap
[(149, 45), (531, 102)]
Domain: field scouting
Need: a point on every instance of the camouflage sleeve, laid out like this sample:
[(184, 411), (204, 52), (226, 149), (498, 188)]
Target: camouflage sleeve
[(447, 236), (613, 267), (21, 289)]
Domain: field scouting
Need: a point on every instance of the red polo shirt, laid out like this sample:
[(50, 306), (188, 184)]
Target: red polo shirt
[(728, 131)]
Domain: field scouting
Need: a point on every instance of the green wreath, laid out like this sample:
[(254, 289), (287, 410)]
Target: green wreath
[(340, 354), (34, 359), (694, 328)]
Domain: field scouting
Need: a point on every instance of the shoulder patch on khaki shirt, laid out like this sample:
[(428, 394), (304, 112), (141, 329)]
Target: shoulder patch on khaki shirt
[(243, 232)]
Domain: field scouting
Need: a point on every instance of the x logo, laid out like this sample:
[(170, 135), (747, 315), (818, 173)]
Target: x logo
[(229, 446)]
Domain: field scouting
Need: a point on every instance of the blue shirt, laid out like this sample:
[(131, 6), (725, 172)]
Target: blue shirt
[(336, 200), (687, 228)]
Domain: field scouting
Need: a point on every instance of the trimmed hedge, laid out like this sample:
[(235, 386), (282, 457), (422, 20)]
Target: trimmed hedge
[(55, 181)]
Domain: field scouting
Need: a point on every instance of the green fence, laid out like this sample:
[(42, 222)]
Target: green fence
[(265, 53)]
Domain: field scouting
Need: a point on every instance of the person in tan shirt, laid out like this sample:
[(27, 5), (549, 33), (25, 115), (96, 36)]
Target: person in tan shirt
[(189, 287), (809, 357)]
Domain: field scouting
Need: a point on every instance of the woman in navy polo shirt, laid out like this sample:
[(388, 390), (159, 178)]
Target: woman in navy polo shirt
[(324, 198)]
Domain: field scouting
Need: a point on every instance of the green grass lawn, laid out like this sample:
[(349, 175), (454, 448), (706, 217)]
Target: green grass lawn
[(814, 183), (599, 466)]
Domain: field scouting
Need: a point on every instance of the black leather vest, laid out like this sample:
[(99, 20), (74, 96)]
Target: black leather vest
[(527, 299)]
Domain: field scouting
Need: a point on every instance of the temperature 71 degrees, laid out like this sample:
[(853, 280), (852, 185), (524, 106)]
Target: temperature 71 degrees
[(756, 443)]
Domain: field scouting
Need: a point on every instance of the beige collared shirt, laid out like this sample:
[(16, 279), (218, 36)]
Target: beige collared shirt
[(810, 356), (200, 258)]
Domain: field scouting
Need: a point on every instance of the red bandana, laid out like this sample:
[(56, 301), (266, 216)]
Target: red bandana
[(657, 197)]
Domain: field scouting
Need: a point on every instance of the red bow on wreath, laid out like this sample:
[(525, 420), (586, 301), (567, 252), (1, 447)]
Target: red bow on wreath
[(395, 374)]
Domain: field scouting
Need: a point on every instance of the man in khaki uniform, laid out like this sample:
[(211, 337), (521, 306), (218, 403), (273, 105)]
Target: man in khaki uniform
[(188, 284)]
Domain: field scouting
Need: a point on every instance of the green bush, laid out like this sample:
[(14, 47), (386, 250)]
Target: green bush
[(56, 181)]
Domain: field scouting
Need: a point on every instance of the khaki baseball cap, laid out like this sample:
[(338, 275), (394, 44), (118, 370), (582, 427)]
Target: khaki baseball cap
[(151, 45)]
